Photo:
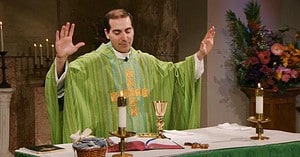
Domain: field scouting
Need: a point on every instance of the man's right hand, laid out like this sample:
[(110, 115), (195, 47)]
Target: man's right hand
[(64, 46)]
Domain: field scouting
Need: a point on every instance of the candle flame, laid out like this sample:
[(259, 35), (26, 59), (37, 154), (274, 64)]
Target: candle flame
[(34, 44), (258, 85)]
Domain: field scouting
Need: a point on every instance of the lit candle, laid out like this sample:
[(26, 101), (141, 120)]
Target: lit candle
[(259, 99), (52, 49), (35, 54), (47, 48), (1, 36), (122, 110), (41, 53)]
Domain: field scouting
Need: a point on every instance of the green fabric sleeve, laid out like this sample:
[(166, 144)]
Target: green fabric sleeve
[(55, 116)]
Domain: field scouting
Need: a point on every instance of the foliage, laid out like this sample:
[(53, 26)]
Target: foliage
[(261, 55)]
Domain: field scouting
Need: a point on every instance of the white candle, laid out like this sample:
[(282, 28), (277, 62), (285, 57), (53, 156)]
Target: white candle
[(47, 48), (122, 116), (122, 110), (1, 36), (52, 49), (35, 54), (41, 54), (259, 100)]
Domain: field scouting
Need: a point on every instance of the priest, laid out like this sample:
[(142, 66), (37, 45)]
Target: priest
[(83, 93)]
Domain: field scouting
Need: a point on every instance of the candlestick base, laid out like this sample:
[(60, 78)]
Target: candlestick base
[(122, 133), (259, 120)]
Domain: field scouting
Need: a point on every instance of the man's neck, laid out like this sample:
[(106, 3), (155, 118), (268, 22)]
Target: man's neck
[(120, 55)]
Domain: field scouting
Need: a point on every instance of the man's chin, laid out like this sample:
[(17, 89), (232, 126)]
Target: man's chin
[(124, 50)]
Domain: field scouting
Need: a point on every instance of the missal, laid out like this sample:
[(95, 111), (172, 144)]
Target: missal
[(44, 148), (141, 144)]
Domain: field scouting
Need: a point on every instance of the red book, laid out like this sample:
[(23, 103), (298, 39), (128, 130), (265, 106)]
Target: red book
[(141, 144)]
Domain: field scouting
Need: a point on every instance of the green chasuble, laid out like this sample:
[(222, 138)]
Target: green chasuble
[(95, 80)]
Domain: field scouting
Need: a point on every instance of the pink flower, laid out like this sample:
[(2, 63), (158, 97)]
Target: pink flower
[(264, 57), (277, 49), (286, 77), (294, 74)]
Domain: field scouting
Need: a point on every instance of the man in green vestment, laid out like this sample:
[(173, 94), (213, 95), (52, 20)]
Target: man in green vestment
[(89, 86)]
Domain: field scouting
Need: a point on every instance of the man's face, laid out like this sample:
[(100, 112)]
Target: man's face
[(121, 34)]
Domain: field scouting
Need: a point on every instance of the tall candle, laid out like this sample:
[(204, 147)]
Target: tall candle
[(35, 54), (122, 110), (259, 99), (52, 49), (41, 53), (1, 36), (47, 48)]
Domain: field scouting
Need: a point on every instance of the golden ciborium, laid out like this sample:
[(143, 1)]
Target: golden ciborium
[(160, 108)]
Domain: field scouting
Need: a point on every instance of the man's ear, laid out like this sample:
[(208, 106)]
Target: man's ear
[(106, 33)]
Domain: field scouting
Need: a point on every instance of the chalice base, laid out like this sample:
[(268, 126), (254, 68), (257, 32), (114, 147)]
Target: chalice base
[(123, 155), (259, 138)]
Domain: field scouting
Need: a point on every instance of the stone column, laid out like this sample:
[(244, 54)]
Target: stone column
[(5, 98)]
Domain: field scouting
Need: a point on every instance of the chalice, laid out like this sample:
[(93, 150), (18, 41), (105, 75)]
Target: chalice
[(160, 108)]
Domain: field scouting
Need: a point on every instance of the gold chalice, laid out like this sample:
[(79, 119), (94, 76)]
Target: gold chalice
[(160, 108)]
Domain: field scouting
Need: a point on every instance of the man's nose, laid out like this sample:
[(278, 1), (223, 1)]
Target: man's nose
[(123, 36)]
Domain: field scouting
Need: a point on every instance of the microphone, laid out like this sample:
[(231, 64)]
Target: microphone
[(126, 59)]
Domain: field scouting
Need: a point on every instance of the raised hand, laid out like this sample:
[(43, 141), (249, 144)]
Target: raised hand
[(64, 41), (64, 46), (207, 43)]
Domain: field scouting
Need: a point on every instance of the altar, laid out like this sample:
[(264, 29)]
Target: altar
[(223, 140)]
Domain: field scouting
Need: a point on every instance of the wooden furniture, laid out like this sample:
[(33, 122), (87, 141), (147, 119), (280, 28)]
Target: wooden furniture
[(280, 108)]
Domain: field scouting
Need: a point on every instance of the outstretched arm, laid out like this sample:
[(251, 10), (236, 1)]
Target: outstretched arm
[(206, 44), (64, 46)]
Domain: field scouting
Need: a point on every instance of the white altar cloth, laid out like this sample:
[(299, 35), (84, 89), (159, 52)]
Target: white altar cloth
[(217, 137)]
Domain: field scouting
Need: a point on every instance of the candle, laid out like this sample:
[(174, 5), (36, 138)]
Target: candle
[(122, 110), (35, 54), (259, 99), (47, 48), (1, 36), (41, 53), (122, 116), (52, 49)]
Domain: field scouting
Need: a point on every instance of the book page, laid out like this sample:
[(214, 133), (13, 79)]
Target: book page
[(137, 143)]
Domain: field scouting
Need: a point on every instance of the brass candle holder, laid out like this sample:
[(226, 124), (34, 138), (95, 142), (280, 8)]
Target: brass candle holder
[(122, 134), (160, 110), (259, 120)]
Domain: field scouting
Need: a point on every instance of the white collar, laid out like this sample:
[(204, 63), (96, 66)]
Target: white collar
[(120, 55)]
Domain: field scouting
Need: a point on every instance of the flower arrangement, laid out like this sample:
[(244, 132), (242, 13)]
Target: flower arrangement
[(261, 55)]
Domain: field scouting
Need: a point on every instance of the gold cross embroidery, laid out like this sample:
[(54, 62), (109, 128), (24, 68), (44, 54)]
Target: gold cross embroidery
[(130, 93)]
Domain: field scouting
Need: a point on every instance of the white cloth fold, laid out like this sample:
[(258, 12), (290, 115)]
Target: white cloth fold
[(233, 126), (78, 136)]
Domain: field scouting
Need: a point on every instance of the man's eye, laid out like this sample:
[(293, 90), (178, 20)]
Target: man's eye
[(128, 30), (116, 32)]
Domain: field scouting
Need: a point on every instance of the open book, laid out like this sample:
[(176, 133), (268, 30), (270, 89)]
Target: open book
[(44, 148), (140, 144)]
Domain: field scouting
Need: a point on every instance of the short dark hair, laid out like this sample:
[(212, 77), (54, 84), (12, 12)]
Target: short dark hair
[(116, 14)]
